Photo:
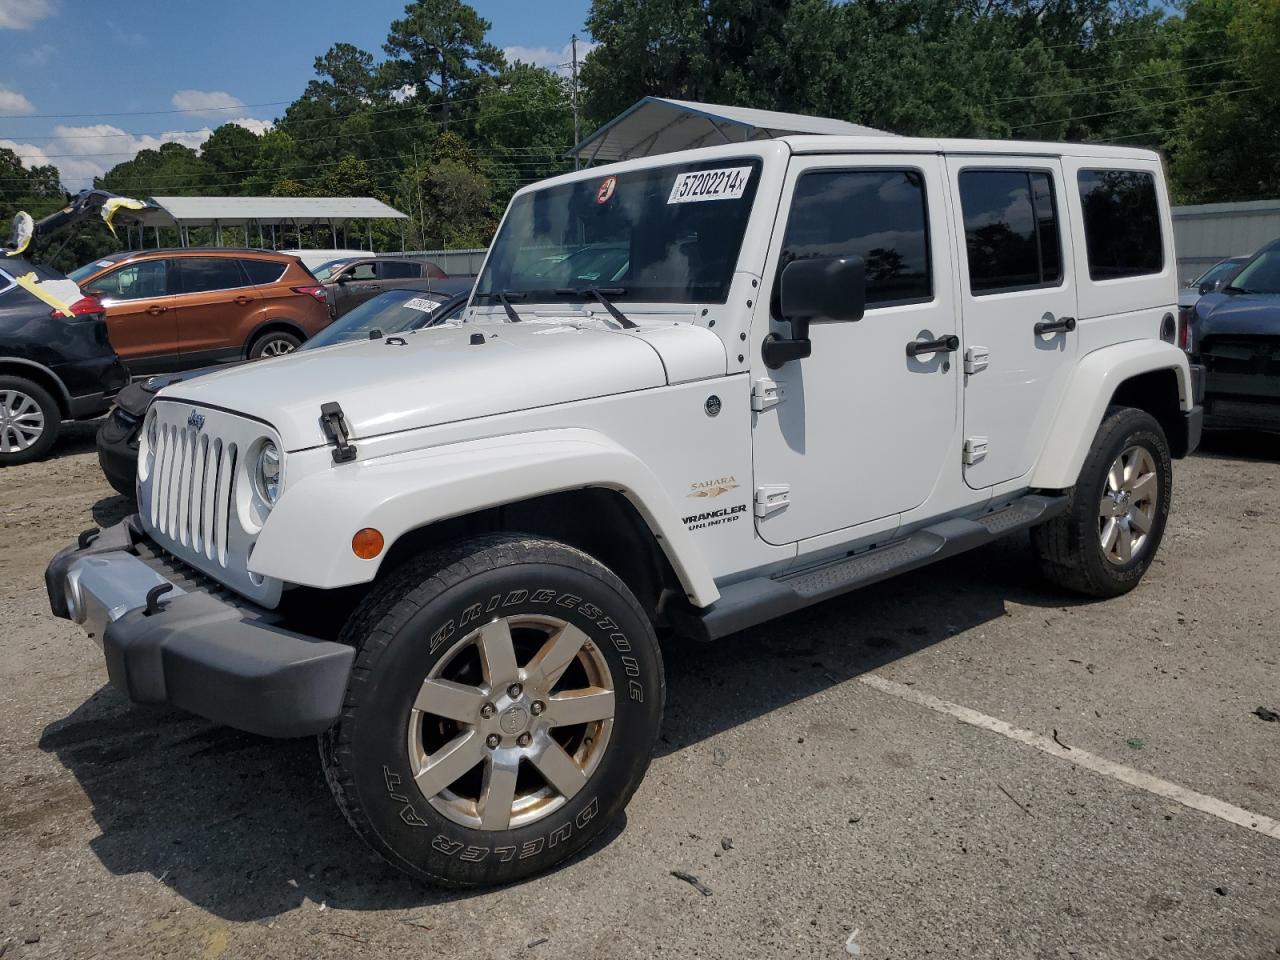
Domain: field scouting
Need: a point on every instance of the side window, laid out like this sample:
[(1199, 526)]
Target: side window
[(453, 314), (1121, 223), (206, 274), (363, 271), (263, 272), (879, 215), (398, 270), (1010, 230), (137, 281)]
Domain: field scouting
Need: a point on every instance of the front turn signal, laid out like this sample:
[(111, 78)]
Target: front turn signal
[(367, 543)]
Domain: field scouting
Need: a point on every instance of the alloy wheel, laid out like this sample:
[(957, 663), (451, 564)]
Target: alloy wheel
[(276, 348), (21, 421), (1127, 510)]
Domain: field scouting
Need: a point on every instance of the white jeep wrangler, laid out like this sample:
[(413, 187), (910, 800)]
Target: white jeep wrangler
[(691, 393)]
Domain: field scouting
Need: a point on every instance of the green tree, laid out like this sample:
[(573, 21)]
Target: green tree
[(524, 125), (230, 153)]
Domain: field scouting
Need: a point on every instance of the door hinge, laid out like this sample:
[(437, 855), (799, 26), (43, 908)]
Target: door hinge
[(765, 393), (976, 359), (975, 448), (772, 497)]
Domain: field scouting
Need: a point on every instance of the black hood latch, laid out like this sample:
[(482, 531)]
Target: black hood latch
[(337, 432)]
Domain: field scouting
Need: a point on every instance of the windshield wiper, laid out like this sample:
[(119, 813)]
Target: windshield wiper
[(603, 297), (1234, 289)]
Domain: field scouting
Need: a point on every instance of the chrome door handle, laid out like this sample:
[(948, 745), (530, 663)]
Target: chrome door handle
[(155, 310), (1061, 325), (242, 300), (946, 344)]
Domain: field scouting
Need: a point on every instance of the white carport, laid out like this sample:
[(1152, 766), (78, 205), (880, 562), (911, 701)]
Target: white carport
[(267, 214), (660, 125)]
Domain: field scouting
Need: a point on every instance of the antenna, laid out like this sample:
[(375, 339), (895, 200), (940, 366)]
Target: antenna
[(573, 90)]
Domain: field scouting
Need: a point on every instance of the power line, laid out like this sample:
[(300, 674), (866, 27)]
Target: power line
[(1140, 106)]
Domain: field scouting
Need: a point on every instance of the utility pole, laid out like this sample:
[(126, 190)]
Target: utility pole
[(573, 90)]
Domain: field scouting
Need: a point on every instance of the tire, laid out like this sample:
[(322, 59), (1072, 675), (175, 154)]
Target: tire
[(430, 621), (29, 421), (274, 343), (1071, 548)]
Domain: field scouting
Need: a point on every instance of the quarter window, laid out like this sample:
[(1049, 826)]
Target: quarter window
[(206, 274), (137, 281), (263, 272), (1010, 230), (1121, 223), (879, 215)]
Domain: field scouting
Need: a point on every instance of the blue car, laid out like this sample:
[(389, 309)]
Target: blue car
[(1235, 333)]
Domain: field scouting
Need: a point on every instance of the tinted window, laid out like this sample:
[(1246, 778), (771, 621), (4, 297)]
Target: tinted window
[(1010, 229), (201, 274), (263, 271), (148, 278), (878, 215), (398, 270), (1121, 223), (1261, 274)]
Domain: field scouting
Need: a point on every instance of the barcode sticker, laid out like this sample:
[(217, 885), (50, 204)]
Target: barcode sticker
[(729, 183), (422, 303)]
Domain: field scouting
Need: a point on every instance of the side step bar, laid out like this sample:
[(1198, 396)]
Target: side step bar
[(750, 602)]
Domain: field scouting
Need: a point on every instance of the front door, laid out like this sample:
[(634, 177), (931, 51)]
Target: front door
[(142, 314), (864, 429), (1018, 299), (354, 285)]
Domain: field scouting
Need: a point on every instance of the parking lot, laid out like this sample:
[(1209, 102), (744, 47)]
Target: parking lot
[(816, 776)]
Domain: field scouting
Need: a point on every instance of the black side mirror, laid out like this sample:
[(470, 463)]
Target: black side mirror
[(1208, 287), (816, 290), (343, 277)]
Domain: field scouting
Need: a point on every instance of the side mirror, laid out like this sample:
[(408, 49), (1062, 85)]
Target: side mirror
[(1208, 287), (344, 277), (816, 290)]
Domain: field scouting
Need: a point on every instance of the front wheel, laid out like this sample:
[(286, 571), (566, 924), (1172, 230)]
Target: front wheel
[(1108, 536), (502, 710)]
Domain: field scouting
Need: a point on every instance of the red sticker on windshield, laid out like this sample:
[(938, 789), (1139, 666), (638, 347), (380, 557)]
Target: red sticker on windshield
[(606, 188)]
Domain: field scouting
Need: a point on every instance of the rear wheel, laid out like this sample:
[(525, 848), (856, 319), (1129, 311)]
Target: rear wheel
[(1108, 536), (29, 421), (502, 709), (274, 343)]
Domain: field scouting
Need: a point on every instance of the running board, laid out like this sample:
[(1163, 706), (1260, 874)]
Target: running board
[(750, 602)]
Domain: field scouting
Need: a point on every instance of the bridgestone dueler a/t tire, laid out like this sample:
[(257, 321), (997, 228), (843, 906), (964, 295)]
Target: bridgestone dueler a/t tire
[(365, 756), (1068, 547)]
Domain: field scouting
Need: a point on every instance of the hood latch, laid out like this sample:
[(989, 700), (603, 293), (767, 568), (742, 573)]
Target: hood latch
[(336, 430)]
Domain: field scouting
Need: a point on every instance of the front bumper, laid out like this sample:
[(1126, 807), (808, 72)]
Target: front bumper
[(228, 662)]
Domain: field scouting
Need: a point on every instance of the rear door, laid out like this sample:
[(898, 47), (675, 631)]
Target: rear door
[(142, 314), (1018, 304), (395, 274), (216, 295)]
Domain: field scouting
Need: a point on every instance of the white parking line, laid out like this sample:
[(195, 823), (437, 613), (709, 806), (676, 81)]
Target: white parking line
[(1108, 768)]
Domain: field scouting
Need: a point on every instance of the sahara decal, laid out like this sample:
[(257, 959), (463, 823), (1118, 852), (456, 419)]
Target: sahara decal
[(712, 488)]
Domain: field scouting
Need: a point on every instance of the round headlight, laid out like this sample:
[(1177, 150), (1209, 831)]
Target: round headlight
[(266, 474)]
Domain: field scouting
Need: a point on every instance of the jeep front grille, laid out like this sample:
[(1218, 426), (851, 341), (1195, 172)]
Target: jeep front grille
[(195, 478)]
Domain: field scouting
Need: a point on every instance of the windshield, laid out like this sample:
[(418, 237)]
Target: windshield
[(329, 268), (1259, 275), (80, 274), (665, 234), (392, 312), (1219, 271)]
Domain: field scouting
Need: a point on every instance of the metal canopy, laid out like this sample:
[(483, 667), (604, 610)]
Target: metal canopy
[(659, 125), (239, 211)]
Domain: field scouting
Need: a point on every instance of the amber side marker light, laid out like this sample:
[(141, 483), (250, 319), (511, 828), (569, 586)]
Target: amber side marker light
[(367, 543)]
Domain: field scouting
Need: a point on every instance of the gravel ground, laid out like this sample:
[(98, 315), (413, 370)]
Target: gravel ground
[(809, 804)]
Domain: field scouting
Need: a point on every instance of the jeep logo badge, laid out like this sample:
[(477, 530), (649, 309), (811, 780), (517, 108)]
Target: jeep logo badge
[(195, 420)]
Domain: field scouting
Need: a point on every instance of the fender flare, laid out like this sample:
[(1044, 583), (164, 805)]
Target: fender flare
[(398, 494), (1093, 383), (63, 396)]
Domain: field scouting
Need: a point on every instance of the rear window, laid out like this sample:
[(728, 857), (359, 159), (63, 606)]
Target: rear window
[(1010, 230), (1121, 223), (201, 274), (263, 271)]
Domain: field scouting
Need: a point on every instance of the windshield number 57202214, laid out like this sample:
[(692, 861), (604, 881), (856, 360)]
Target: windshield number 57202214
[(728, 183)]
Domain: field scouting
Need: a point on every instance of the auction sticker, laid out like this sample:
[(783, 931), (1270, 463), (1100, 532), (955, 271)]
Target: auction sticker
[(729, 183), (606, 188), (422, 303)]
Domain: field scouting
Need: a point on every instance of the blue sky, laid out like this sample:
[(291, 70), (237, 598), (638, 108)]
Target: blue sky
[(192, 65)]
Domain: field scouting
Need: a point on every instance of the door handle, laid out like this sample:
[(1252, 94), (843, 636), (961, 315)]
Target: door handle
[(242, 299), (155, 310), (945, 344), (1061, 325)]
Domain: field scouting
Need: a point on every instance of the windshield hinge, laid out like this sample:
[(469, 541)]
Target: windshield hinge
[(766, 393), (334, 424)]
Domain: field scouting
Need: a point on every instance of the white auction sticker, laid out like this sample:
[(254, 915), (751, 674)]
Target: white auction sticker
[(729, 183), (422, 303)]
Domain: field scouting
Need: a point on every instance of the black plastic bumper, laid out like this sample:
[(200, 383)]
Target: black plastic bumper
[(223, 661)]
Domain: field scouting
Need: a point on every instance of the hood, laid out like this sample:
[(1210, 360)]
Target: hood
[(1240, 313), (438, 375)]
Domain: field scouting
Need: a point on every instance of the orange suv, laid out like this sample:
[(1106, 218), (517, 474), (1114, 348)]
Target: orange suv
[(171, 310)]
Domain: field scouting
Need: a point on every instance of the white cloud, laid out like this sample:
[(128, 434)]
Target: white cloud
[(557, 60), (23, 14), (404, 92), (84, 152), (13, 103), (205, 101)]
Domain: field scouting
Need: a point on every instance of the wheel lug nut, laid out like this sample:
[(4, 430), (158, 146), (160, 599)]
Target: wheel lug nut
[(537, 707), (493, 740), (514, 691), (487, 711), (524, 739)]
